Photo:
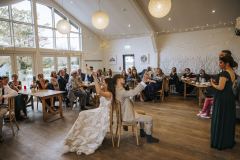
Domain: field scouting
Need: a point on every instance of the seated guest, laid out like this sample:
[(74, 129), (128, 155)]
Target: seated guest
[(154, 84), (127, 109), (189, 76), (150, 71), (100, 76), (82, 75), (104, 72), (66, 75), (205, 112), (5, 93), (62, 82), (203, 77), (109, 74), (129, 72), (20, 100), (41, 82), (159, 75), (134, 79), (42, 85), (75, 87), (54, 80), (15, 84), (88, 76), (173, 80)]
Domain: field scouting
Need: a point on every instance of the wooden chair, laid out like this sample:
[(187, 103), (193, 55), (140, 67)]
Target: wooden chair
[(121, 123), (111, 124), (11, 114), (161, 91)]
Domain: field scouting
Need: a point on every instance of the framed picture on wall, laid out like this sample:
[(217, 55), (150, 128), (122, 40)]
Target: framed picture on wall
[(144, 59), (113, 60)]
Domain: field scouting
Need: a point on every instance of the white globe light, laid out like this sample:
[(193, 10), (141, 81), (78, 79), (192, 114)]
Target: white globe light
[(63, 26), (159, 8), (100, 20)]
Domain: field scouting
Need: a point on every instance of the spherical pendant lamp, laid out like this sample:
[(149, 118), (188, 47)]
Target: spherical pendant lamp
[(159, 8), (100, 20), (63, 26)]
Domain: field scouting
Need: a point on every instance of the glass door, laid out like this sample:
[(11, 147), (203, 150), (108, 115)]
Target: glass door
[(128, 61), (25, 69)]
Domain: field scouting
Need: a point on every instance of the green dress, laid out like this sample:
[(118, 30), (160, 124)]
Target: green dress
[(223, 116)]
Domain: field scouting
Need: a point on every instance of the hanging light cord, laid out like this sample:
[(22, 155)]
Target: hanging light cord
[(99, 6)]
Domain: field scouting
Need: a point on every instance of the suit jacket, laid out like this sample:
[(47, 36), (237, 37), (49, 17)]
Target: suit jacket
[(90, 78), (62, 82), (82, 76), (123, 96)]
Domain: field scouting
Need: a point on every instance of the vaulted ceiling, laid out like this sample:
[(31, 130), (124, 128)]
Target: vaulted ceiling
[(132, 18)]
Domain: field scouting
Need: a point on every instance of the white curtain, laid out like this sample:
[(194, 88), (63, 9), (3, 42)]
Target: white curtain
[(7, 2)]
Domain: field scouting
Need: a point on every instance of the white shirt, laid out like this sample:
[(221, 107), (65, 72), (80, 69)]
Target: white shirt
[(8, 92)]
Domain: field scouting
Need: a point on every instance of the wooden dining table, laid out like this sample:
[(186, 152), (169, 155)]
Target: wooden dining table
[(47, 94), (200, 89)]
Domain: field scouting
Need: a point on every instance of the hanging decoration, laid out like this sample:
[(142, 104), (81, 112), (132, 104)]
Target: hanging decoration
[(100, 19), (159, 8), (63, 26)]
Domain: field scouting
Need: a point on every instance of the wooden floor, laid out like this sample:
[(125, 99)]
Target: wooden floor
[(183, 136)]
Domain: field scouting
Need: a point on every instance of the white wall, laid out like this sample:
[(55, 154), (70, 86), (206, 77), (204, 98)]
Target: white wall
[(139, 46), (197, 49), (92, 52)]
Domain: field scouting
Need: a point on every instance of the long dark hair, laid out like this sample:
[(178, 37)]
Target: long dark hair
[(111, 88), (228, 59), (115, 78)]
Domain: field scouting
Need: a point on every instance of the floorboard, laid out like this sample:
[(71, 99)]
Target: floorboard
[(183, 136)]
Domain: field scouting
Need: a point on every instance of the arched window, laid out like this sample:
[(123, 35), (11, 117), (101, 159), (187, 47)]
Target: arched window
[(17, 27)]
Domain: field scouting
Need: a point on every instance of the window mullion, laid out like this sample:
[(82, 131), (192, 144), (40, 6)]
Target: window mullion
[(11, 25)]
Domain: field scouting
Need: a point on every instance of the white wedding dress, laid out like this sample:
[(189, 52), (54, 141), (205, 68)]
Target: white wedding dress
[(89, 130)]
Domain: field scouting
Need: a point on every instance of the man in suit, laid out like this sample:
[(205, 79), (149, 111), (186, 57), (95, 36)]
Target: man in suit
[(128, 113), (5, 93), (62, 82), (66, 75), (82, 75), (89, 76)]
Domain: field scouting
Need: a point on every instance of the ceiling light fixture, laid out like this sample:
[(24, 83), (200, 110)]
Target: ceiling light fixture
[(129, 25), (100, 19), (169, 19), (63, 26), (159, 8), (213, 11)]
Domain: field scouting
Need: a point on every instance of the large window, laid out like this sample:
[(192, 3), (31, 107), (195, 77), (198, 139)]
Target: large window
[(24, 36), (5, 66), (17, 27), (4, 12), (75, 63), (22, 11), (61, 41), (5, 35), (25, 71), (45, 37), (48, 66), (61, 62), (44, 15)]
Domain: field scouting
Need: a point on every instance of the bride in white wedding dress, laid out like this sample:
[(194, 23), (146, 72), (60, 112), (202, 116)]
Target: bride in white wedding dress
[(91, 126)]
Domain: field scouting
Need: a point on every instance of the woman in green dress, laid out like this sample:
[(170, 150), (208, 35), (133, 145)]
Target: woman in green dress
[(224, 109)]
